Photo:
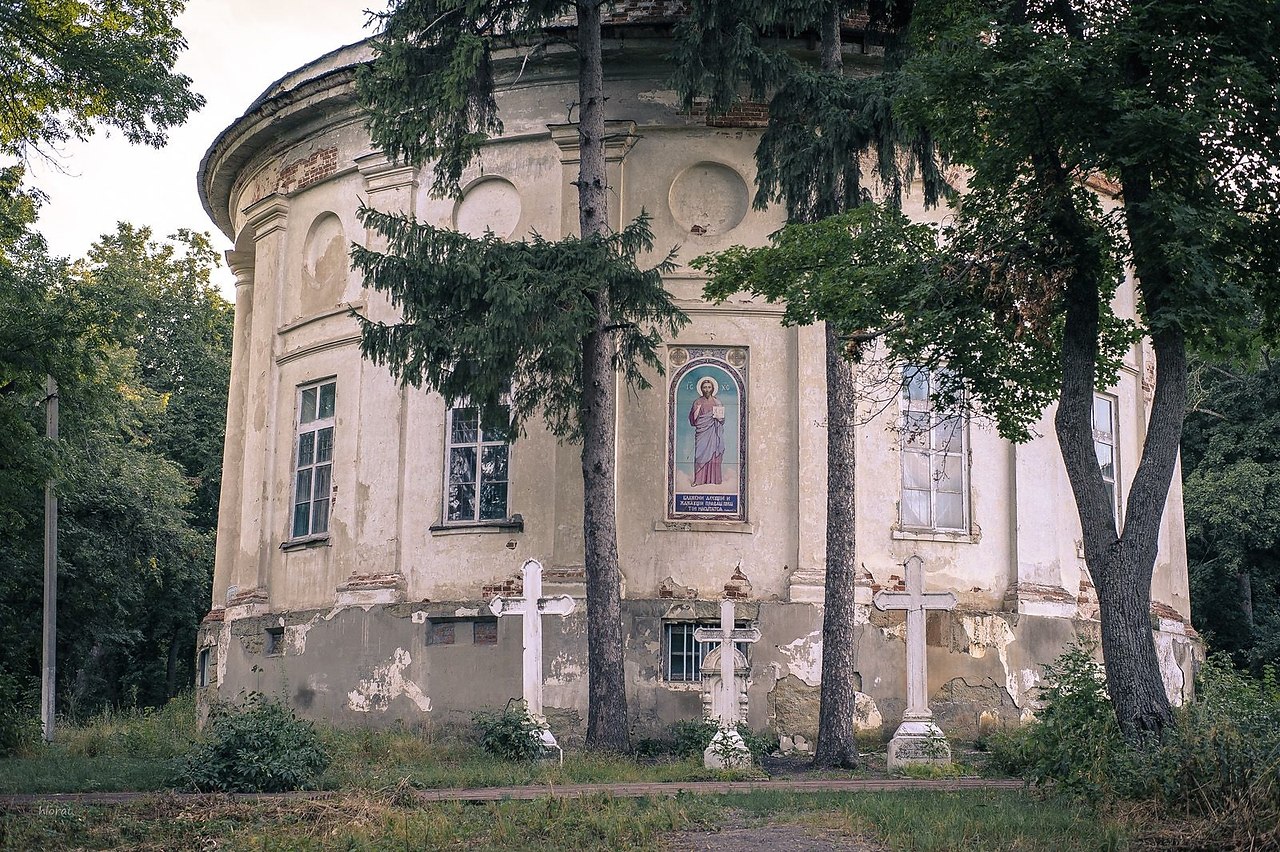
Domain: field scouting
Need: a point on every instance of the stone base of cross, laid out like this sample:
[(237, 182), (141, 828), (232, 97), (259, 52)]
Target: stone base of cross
[(531, 607), (727, 749), (918, 739)]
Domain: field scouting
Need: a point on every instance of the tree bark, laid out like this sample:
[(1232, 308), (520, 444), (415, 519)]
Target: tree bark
[(607, 700), (171, 668), (1121, 564), (837, 745)]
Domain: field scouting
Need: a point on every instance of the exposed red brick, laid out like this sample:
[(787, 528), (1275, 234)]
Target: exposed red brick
[(311, 169)]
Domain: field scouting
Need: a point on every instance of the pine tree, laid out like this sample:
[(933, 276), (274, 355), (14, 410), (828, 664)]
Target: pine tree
[(821, 124), (537, 327)]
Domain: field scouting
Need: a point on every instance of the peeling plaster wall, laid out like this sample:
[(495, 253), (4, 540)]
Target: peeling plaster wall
[(357, 607)]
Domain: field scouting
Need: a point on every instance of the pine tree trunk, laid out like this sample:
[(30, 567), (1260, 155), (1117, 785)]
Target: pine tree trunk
[(837, 745), (171, 668), (607, 700)]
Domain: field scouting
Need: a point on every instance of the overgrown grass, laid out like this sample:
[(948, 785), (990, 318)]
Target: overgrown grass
[(987, 820)]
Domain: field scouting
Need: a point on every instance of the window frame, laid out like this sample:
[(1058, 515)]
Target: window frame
[(202, 667), (313, 427), (480, 444), (912, 405), (699, 650), (1099, 439)]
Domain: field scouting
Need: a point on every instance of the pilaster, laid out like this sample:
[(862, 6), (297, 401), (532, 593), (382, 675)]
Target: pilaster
[(807, 583)]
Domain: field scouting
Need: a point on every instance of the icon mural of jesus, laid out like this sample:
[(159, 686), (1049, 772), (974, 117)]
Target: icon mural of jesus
[(706, 416)]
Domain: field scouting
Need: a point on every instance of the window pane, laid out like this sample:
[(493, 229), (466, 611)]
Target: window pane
[(306, 449), (915, 470), (498, 434), (493, 464), (1111, 495), (322, 482), (950, 511), (308, 412), (947, 435), (320, 515), (915, 508), (493, 500), (301, 514), (302, 487), (915, 383), (465, 426), (327, 394), (1106, 460), (915, 429), (462, 465), (324, 445), (948, 473), (462, 501), (1102, 415)]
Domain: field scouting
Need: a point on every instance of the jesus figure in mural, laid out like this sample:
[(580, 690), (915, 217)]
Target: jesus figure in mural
[(706, 416)]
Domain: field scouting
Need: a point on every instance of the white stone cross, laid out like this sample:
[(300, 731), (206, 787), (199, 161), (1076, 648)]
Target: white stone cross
[(726, 635), (917, 722), (532, 606)]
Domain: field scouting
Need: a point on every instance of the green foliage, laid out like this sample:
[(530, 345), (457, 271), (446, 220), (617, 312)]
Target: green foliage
[(1075, 741), (502, 324), (429, 88), (261, 747), (147, 733), (1231, 495), (821, 122), (512, 734), (690, 738), (19, 717), (1217, 768), (71, 64)]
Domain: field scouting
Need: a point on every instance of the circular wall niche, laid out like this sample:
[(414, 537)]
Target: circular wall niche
[(708, 199), (493, 204)]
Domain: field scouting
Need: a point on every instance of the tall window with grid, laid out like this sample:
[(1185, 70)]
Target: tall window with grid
[(477, 465), (935, 475), (1104, 447), (684, 654), (313, 459)]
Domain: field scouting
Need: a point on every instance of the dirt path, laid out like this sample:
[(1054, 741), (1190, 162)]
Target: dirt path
[(568, 791)]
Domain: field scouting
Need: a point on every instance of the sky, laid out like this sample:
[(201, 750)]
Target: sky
[(236, 49)]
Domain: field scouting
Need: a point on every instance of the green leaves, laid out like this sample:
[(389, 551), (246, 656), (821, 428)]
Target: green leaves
[(71, 64), (503, 323), (429, 89)]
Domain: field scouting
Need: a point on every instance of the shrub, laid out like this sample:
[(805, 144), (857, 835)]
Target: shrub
[(19, 718), (512, 734), (690, 738), (261, 747)]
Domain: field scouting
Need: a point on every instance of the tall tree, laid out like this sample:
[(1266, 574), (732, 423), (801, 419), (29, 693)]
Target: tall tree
[(476, 318), (1171, 106), (72, 64), (810, 159)]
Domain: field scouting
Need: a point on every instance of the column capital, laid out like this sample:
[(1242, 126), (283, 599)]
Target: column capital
[(267, 215), (380, 173), (619, 136), (241, 265)]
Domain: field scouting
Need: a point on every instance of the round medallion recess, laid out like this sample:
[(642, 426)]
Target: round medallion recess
[(708, 199), (493, 204)]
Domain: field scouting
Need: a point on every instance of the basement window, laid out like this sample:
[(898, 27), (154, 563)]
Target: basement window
[(275, 641), (202, 668), (683, 654)]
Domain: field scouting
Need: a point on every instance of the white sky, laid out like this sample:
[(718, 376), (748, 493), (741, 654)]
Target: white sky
[(236, 48)]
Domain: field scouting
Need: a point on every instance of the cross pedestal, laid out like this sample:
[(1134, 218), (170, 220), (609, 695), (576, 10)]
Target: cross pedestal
[(532, 606), (918, 739), (727, 750)]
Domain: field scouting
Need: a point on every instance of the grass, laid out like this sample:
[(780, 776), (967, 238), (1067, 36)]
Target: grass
[(988, 820)]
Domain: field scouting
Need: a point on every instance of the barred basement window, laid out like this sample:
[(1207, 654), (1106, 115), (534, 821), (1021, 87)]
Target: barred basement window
[(683, 653), (935, 477), (313, 459), (477, 468)]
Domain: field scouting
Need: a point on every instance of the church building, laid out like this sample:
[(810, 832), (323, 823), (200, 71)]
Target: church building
[(365, 527)]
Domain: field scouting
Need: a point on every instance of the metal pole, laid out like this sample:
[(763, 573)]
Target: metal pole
[(47, 680)]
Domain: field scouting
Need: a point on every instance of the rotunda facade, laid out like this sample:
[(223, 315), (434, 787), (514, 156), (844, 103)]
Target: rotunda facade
[(364, 527)]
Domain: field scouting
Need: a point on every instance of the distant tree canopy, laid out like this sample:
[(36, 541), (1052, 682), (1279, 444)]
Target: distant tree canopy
[(69, 65), (140, 343)]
